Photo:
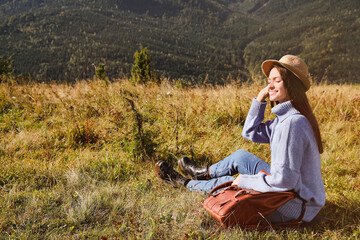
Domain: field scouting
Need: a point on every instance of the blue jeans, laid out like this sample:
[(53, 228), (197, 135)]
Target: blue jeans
[(242, 162)]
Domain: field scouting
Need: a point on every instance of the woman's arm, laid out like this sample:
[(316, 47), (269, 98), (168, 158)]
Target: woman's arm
[(286, 159), (254, 128)]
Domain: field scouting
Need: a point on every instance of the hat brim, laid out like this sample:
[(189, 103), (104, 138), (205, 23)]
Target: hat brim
[(267, 65)]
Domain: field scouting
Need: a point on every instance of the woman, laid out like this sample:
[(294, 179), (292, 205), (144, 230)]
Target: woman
[(295, 142)]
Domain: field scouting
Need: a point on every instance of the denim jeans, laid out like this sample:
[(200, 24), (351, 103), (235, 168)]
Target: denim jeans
[(242, 162)]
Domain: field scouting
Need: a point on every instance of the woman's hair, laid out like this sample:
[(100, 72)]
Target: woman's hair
[(300, 101)]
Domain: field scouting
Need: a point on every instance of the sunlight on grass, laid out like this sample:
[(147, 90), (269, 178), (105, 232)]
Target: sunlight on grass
[(78, 160)]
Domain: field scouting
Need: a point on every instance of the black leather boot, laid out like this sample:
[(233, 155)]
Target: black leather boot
[(189, 168), (167, 173)]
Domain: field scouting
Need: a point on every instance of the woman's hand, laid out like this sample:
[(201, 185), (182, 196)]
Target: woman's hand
[(237, 180), (263, 94)]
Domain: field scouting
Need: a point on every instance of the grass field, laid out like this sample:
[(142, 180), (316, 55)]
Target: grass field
[(77, 161)]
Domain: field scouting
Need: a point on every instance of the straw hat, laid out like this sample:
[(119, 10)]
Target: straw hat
[(292, 63)]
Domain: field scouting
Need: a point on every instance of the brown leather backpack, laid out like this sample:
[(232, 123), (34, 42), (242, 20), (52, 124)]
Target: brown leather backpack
[(235, 206)]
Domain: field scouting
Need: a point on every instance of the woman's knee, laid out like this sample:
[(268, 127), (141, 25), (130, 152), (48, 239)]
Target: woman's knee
[(241, 153)]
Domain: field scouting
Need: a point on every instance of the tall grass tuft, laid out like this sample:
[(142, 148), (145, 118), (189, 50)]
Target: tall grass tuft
[(82, 135)]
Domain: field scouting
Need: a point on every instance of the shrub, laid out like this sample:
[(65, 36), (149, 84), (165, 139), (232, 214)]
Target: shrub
[(141, 145), (142, 70), (6, 69), (100, 71)]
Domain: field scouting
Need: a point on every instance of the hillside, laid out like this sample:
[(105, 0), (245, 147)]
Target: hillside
[(190, 39)]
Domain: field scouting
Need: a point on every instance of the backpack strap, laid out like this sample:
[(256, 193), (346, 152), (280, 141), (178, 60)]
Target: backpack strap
[(224, 185)]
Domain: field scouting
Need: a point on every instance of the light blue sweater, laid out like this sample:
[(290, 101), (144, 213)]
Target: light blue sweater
[(295, 158)]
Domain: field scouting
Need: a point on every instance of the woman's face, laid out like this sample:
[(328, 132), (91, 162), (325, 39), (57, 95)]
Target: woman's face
[(277, 91)]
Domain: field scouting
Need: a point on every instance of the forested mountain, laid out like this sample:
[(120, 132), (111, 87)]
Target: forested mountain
[(190, 39)]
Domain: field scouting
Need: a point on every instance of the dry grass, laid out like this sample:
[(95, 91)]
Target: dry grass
[(77, 160)]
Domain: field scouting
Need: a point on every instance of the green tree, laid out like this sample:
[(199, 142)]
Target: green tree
[(142, 71), (6, 69), (100, 71)]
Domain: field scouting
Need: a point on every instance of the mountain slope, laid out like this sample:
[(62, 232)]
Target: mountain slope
[(325, 33), (189, 39)]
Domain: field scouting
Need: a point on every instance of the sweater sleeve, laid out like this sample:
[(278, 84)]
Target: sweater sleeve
[(286, 160), (254, 129)]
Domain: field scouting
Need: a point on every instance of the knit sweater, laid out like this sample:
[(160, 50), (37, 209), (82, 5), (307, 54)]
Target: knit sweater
[(295, 158)]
